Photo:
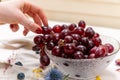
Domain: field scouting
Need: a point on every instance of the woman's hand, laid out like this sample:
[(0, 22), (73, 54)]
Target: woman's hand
[(14, 12)]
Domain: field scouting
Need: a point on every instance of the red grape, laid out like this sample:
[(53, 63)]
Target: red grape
[(78, 30), (76, 37), (38, 39), (89, 32), (64, 33), (96, 35), (56, 51), (69, 48), (85, 40), (117, 61), (57, 28), (46, 30), (93, 50), (91, 56), (35, 48), (97, 41), (68, 39), (90, 44), (101, 51), (56, 37), (82, 24), (78, 55), (110, 47), (81, 48), (46, 37), (44, 60), (72, 26), (64, 26), (50, 45)]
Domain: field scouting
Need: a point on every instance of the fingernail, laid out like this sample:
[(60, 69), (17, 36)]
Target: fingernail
[(24, 33), (11, 26), (38, 31)]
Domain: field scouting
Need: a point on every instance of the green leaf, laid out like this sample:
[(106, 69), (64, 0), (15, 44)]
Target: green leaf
[(66, 77)]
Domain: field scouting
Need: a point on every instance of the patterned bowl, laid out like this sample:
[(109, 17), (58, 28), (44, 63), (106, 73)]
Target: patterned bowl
[(85, 69)]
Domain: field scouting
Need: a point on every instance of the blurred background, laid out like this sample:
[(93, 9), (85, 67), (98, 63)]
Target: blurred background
[(104, 13)]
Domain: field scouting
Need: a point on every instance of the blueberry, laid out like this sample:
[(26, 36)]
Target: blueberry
[(37, 52), (19, 63), (20, 76)]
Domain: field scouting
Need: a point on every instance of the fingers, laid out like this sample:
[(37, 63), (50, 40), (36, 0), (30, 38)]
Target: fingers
[(36, 18), (28, 24), (36, 10), (36, 13), (14, 27), (31, 25), (25, 32)]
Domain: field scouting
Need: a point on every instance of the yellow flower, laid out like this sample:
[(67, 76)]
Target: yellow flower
[(98, 78), (38, 75), (37, 72)]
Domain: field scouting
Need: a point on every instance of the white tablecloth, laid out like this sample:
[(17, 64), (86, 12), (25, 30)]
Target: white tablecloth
[(30, 60)]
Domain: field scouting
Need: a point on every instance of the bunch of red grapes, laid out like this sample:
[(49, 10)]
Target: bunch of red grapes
[(73, 41)]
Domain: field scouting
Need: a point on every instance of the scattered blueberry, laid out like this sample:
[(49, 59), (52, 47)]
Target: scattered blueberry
[(37, 52), (19, 63), (77, 75), (108, 61), (66, 64), (20, 76)]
